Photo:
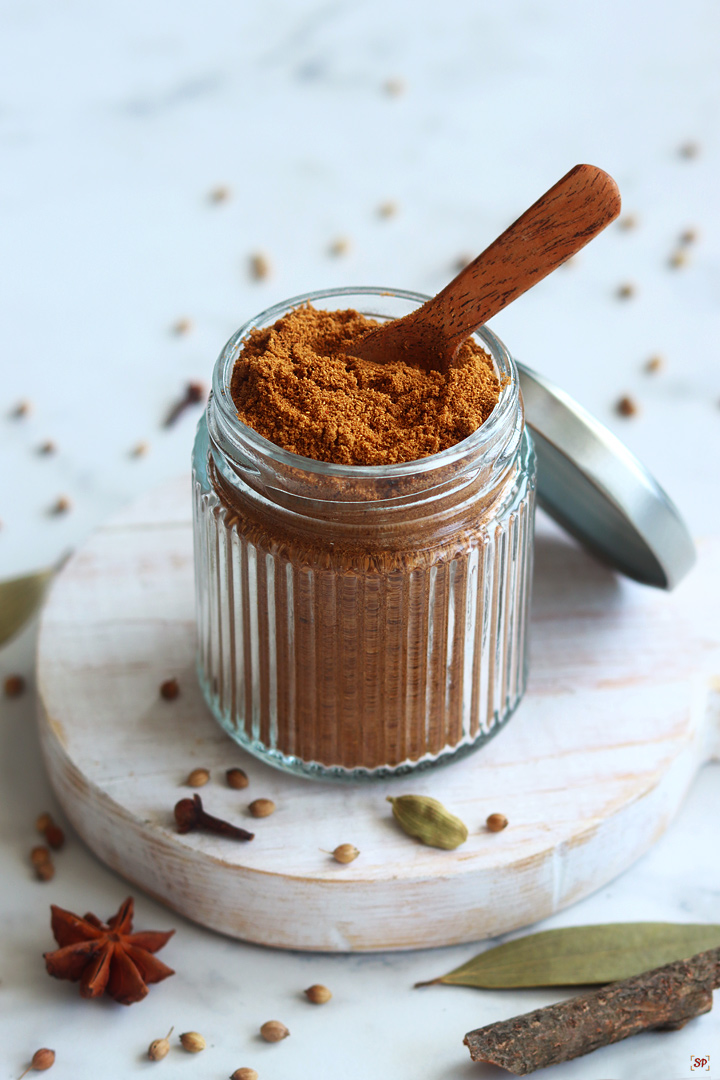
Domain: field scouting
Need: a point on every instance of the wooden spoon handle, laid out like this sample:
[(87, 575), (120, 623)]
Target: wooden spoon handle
[(561, 222)]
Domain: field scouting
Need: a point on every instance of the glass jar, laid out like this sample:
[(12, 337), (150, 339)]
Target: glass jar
[(362, 620)]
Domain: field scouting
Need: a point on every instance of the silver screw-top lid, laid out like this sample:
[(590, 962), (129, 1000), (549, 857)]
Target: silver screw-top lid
[(597, 490)]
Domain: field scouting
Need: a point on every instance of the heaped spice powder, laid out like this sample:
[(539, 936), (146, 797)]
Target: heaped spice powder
[(298, 384)]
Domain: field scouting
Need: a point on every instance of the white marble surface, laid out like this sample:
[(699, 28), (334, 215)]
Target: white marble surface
[(116, 121)]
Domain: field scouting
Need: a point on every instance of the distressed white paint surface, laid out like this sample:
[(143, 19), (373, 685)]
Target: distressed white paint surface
[(590, 771)]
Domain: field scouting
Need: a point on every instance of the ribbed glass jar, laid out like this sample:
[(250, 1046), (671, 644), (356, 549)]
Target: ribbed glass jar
[(362, 620)]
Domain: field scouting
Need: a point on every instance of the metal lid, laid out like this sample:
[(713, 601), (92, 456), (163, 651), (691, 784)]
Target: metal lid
[(593, 486)]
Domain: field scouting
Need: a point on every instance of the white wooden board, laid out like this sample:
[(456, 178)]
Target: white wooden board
[(621, 711)]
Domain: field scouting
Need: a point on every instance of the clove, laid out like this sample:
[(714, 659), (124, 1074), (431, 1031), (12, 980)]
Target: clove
[(194, 393), (190, 815)]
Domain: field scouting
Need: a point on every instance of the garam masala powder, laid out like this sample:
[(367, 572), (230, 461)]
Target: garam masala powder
[(297, 384)]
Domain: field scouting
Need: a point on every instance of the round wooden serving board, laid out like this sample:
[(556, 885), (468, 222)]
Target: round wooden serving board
[(621, 712)]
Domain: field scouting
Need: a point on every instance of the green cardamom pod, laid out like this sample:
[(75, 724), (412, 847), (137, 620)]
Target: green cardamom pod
[(428, 820)]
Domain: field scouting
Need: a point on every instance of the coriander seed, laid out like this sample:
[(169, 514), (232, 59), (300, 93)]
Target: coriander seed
[(341, 246), (61, 505), (387, 209), (689, 149), (496, 822), (159, 1048), (244, 1074), (42, 822), (274, 1031), (41, 860), (259, 266), (654, 364), (169, 689), (14, 686), (677, 259), (345, 853), (198, 777), (40, 855), (219, 194), (41, 1060), (236, 778), (626, 407), (262, 807), (394, 87), (626, 291), (54, 836), (193, 1042), (318, 994), (688, 236), (182, 326)]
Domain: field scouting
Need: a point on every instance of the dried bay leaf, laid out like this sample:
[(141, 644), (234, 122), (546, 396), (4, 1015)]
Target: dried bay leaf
[(20, 598), (583, 955)]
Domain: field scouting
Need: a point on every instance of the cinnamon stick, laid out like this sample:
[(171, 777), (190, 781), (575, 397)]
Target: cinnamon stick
[(664, 998)]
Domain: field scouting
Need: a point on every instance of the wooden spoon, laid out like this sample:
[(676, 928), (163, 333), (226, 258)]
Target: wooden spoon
[(561, 222)]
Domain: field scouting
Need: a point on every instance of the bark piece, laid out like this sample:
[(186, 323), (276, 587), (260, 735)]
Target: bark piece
[(664, 998)]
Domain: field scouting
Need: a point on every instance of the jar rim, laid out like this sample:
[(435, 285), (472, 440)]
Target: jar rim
[(236, 430)]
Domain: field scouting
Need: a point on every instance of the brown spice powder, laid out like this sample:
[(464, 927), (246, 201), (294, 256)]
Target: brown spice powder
[(297, 384)]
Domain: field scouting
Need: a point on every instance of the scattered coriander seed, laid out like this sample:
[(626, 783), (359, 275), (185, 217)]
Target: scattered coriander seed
[(394, 87), (259, 266), (14, 686), (236, 778), (462, 261), (345, 853), (47, 448), (45, 871), (42, 822), (318, 994), (689, 149), (139, 450), (627, 222), (626, 291), (182, 326), (169, 689), (244, 1074), (688, 236), (23, 408), (654, 364), (496, 822), (626, 407), (41, 1060), (340, 246), (159, 1048), (219, 194), (193, 1042), (262, 807), (40, 855), (677, 259), (198, 778), (61, 505), (274, 1031), (54, 836), (387, 209)]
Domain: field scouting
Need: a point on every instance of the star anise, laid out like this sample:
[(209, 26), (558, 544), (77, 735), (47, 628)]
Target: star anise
[(107, 957)]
